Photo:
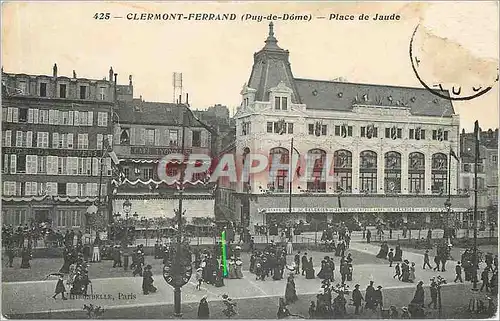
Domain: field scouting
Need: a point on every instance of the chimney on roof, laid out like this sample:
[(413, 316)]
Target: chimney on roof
[(54, 71), (140, 97), (111, 74), (187, 99), (130, 80), (74, 74)]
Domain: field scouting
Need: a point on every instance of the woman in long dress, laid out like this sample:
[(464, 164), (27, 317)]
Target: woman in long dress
[(232, 274), (252, 263), (290, 291), (322, 272), (412, 273), (276, 272), (237, 268), (25, 258), (147, 281), (310, 269)]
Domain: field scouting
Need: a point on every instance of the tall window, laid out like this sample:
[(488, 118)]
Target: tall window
[(316, 162), (125, 136), (278, 178), (150, 137), (173, 137), (343, 170), (43, 89), (196, 139), (102, 93), (62, 91), (368, 171), (83, 141), (102, 119), (83, 92), (281, 103), (416, 172), (439, 173), (392, 172)]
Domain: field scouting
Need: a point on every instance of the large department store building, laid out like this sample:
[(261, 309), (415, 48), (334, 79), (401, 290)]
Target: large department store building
[(389, 145)]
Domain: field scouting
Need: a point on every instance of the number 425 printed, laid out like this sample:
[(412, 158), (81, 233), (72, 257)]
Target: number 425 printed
[(102, 16)]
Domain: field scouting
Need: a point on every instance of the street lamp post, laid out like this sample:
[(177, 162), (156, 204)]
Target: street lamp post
[(127, 206), (447, 205)]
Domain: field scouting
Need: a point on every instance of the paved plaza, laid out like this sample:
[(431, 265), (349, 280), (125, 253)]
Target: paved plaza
[(115, 289)]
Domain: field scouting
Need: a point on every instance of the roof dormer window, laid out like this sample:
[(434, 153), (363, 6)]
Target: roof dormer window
[(281, 103)]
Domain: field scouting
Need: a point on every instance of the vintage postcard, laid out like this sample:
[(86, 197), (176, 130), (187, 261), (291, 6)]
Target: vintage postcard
[(249, 160)]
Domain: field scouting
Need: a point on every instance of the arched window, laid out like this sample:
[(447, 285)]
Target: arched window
[(278, 173), (316, 161), (416, 172), (392, 172), (439, 173), (368, 171), (343, 170)]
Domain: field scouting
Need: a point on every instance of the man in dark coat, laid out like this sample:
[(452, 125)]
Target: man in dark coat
[(370, 290), (203, 310), (357, 297), (486, 280), (304, 263), (377, 298), (458, 272), (390, 257), (368, 236), (296, 259), (419, 296), (437, 260), (426, 260), (344, 270), (434, 294), (25, 258), (60, 288), (10, 254)]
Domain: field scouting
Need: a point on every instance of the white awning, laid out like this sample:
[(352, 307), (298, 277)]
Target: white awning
[(284, 210)]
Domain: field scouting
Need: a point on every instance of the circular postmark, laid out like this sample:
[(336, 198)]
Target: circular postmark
[(448, 69)]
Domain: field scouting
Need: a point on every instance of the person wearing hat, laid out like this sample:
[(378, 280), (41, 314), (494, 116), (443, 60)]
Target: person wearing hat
[(229, 310), (60, 288), (405, 271), (283, 311), (199, 277), (369, 296), (426, 260), (203, 309), (434, 293), (419, 297), (296, 260), (377, 298), (405, 314), (117, 257), (147, 281), (290, 291), (357, 297), (390, 257), (458, 272)]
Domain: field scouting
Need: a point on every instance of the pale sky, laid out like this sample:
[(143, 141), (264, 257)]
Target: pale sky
[(216, 57)]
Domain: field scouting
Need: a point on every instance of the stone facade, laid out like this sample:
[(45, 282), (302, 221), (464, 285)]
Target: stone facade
[(53, 128), (376, 145), (145, 133)]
